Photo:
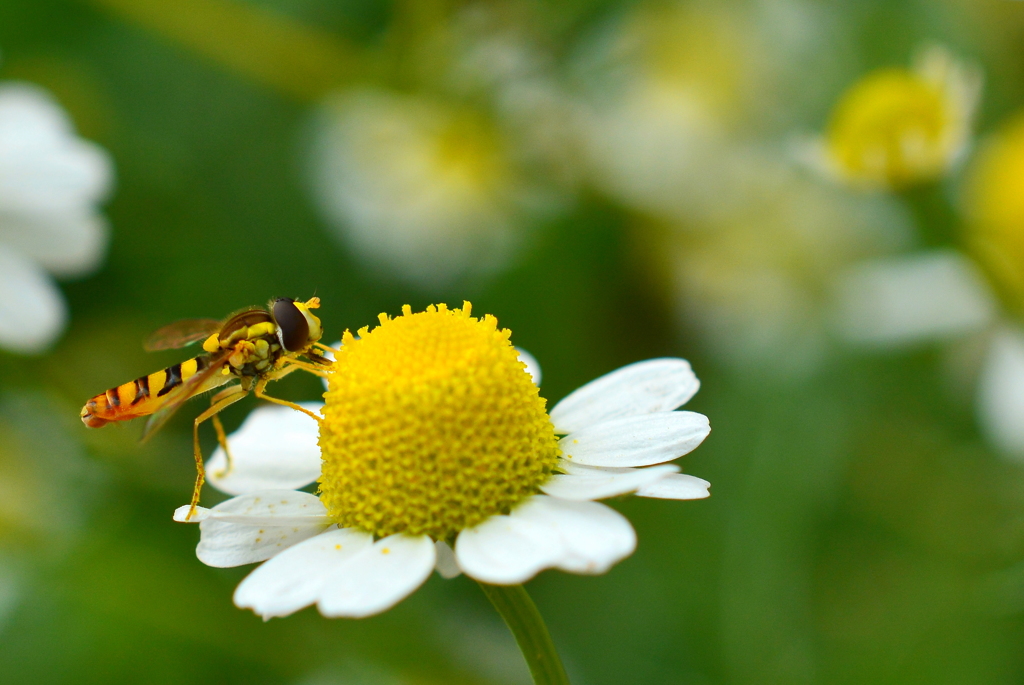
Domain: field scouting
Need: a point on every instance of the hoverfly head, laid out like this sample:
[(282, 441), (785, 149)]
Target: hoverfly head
[(297, 328)]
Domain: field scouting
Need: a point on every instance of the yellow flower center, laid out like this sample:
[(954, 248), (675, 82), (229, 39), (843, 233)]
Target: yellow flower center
[(894, 128), (431, 426), (995, 206)]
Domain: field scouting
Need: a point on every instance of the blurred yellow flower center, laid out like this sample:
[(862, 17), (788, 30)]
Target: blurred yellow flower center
[(467, 153), (893, 128), (431, 425), (697, 52), (995, 206)]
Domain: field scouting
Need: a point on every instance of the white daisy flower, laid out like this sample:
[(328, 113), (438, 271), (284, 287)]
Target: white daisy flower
[(51, 182), (942, 296), (661, 87), (902, 300), (948, 295), (449, 180), (670, 93), (435, 434), (484, 54), (1000, 399), (754, 283), (417, 187), (898, 127)]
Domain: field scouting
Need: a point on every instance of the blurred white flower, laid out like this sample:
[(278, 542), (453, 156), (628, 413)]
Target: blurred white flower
[(905, 300), (446, 180), (472, 465), (51, 183), (662, 86), (419, 189), (993, 205), (680, 102), (755, 282), (896, 127), (672, 94), (493, 56), (947, 296), (1001, 392), (942, 296)]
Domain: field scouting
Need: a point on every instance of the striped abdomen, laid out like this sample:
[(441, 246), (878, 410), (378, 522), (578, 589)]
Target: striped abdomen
[(142, 396)]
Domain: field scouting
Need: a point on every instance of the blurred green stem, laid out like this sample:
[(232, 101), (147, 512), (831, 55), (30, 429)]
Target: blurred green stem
[(295, 58), (525, 622)]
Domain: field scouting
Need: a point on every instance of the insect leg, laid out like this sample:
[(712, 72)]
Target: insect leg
[(222, 438), (326, 348), (306, 366), (258, 391), (219, 405)]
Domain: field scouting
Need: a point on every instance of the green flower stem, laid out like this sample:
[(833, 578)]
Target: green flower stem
[(525, 622)]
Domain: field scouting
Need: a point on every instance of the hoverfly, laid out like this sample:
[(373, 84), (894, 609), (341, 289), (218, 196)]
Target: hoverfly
[(253, 347)]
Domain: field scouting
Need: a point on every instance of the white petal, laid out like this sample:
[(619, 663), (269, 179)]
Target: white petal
[(65, 243), (594, 536), (594, 482), (274, 449), (446, 566), (532, 365), (637, 440), (545, 532), (28, 112), (255, 527), (378, 577), (676, 486), (44, 166), (32, 309), (655, 385), (898, 301), (1001, 393), (181, 514), (293, 579), (505, 550), (330, 355)]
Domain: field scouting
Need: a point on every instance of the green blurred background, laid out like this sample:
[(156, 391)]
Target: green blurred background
[(861, 529)]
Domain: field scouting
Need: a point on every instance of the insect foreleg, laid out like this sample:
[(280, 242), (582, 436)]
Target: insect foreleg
[(259, 392), (305, 366), (326, 348), (220, 401)]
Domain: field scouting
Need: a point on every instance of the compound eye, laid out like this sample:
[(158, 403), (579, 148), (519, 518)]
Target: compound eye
[(291, 324)]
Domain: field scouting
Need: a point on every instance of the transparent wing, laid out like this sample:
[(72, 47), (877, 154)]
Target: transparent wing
[(186, 391), (181, 333)]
